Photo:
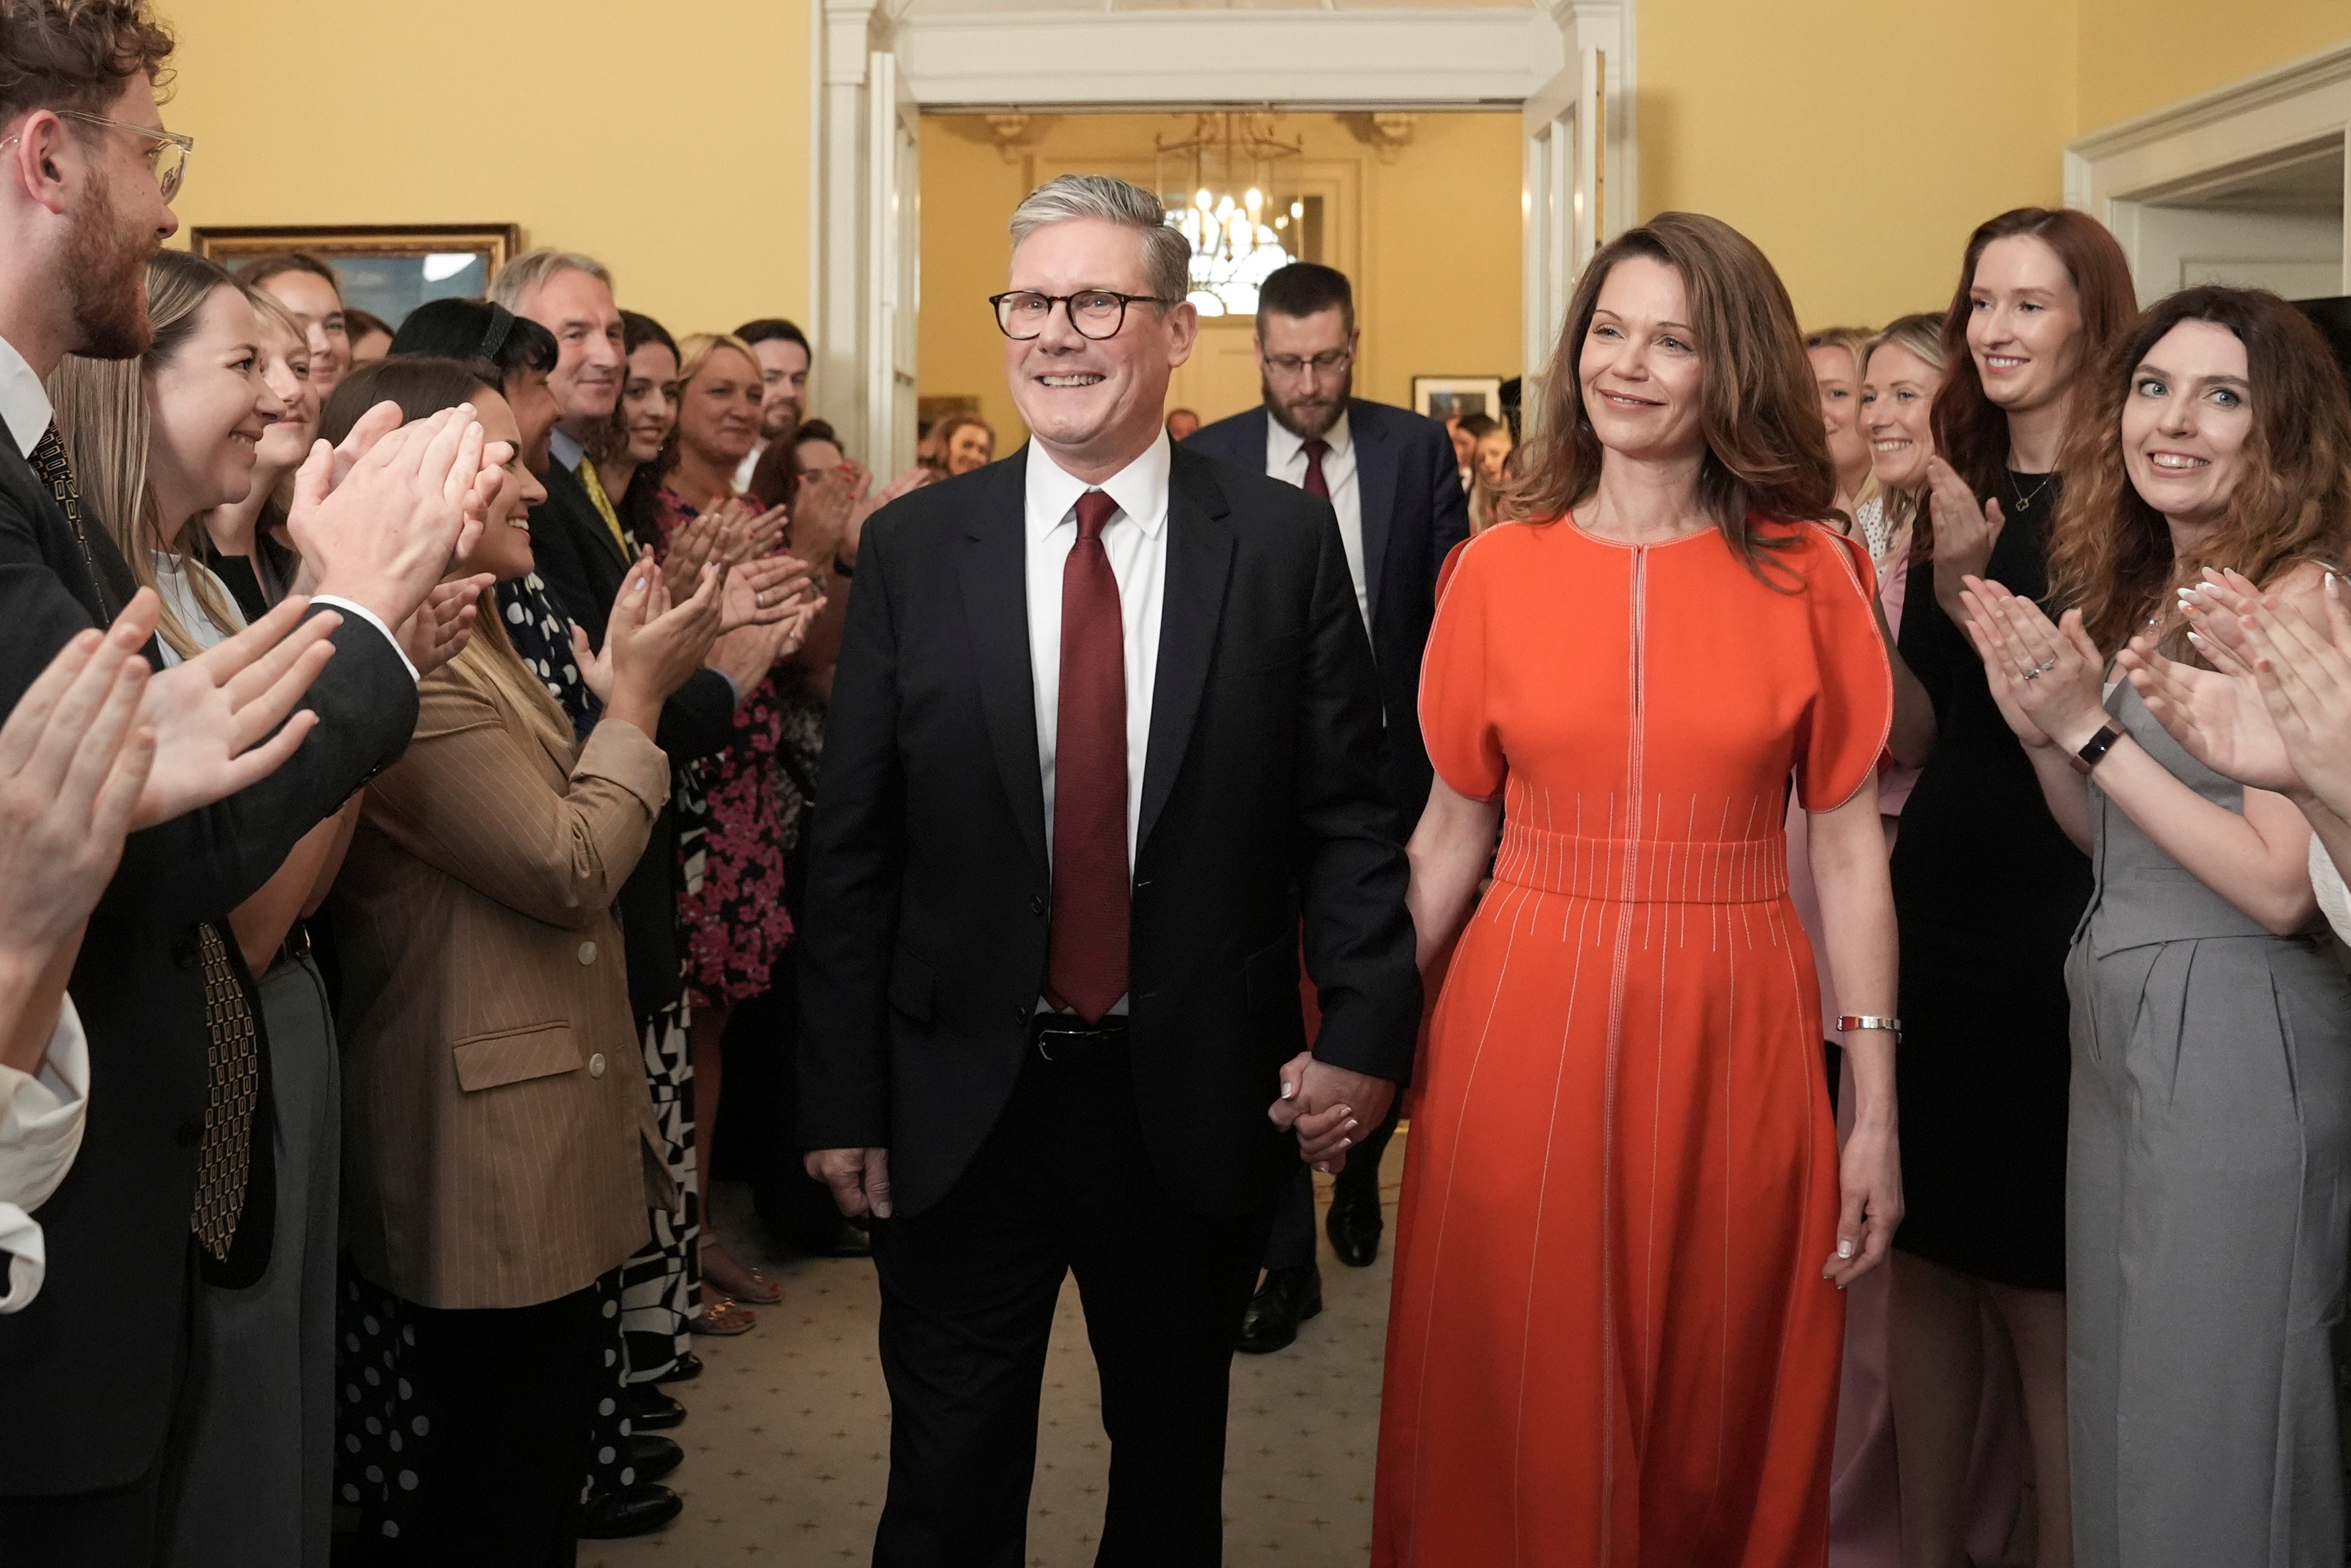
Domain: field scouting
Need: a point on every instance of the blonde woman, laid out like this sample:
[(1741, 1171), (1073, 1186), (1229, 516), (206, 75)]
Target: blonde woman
[(1836, 354), (244, 541)]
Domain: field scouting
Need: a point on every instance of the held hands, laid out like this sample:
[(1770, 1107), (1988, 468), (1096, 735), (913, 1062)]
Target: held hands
[(1328, 1108), (860, 1178), (380, 518), (2046, 679), (73, 760), (213, 716), (1869, 1179), (1965, 533)]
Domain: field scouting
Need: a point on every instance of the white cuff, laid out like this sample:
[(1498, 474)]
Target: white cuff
[(373, 620), (40, 1133)]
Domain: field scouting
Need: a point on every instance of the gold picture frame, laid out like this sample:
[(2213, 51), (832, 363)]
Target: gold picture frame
[(388, 269)]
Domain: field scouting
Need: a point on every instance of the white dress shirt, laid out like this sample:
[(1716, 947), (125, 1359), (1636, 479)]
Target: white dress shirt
[(1285, 458), (24, 407), (2333, 901), (40, 1132)]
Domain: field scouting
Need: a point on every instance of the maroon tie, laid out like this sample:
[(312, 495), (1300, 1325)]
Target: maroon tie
[(1315, 484), (1085, 965)]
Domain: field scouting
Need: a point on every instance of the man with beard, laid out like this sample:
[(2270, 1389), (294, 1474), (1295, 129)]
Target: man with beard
[(783, 352), (1390, 475), (174, 1172)]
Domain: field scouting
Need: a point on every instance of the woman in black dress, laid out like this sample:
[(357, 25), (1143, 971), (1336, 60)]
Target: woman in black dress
[(1987, 891)]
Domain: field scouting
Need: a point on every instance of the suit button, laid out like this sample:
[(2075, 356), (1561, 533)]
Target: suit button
[(596, 1065), (1020, 1015), (586, 953), (183, 953), (1037, 904), (188, 1134)]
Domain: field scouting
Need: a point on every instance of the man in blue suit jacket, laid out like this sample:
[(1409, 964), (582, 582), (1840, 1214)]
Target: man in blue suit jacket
[(1392, 478)]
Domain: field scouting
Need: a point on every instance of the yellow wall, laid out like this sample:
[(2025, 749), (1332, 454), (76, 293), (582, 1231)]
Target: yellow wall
[(2141, 55), (671, 141), (1857, 143), (1434, 257)]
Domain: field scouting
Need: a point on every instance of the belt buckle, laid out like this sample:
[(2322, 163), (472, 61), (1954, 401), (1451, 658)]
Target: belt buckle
[(1046, 1034)]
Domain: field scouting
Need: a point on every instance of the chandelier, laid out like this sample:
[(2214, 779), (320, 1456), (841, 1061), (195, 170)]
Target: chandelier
[(1226, 209)]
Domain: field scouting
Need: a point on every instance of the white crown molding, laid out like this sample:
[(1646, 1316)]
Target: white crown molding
[(2326, 68)]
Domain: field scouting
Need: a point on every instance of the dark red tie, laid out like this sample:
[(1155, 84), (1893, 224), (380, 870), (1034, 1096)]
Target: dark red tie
[(1085, 965), (1315, 484)]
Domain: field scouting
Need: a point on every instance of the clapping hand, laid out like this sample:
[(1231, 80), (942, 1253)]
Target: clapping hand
[(766, 590), (1330, 1109), (2046, 679), (214, 716), (443, 623), (731, 533), (1965, 533), (2302, 673)]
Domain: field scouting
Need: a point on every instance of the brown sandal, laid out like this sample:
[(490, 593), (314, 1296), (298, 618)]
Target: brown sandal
[(732, 1276), (721, 1316)]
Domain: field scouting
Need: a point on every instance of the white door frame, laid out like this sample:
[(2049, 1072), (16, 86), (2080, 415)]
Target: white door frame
[(1570, 58), (2273, 117)]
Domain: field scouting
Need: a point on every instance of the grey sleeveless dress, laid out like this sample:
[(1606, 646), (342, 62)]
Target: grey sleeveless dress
[(2207, 1209)]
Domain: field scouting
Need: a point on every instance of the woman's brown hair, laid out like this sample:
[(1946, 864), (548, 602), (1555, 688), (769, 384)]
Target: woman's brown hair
[(1970, 430), (2110, 553), (1767, 452)]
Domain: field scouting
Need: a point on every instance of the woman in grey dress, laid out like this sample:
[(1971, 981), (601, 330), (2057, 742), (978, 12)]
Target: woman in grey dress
[(2209, 1166)]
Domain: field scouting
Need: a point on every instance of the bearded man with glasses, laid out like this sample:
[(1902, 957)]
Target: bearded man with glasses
[(174, 1172), (1389, 474)]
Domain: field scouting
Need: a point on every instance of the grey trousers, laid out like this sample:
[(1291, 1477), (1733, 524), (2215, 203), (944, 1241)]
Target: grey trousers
[(258, 1488), (2208, 1205)]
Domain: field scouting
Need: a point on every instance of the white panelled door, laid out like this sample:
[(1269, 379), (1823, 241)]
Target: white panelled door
[(892, 208)]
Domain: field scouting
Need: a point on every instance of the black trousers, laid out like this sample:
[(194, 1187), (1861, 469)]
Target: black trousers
[(1292, 1244), (506, 1395), (1061, 1185)]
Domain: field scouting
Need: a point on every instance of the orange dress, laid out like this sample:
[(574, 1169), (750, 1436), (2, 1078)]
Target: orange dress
[(1610, 1343)]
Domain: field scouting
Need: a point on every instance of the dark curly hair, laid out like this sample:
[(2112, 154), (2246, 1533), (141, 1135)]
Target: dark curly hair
[(76, 55)]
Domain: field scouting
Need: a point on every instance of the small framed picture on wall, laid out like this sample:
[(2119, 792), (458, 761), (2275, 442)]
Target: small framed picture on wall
[(1450, 396)]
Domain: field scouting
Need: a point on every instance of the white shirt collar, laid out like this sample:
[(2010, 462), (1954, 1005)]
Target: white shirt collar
[(23, 401), (1140, 489), (1282, 443), (567, 450)]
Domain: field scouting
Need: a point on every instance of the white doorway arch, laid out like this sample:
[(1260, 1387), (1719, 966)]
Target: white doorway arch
[(1569, 68)]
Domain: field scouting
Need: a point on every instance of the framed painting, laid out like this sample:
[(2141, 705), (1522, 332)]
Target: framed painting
[(389, 269), (1450, 396)]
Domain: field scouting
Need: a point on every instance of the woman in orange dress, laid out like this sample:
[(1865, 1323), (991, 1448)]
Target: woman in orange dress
[(1616, 1325)]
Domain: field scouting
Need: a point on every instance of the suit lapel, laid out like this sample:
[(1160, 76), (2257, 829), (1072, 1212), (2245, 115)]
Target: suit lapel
[(582, 511), (1200, 561), (995, 581), (1375, 494)]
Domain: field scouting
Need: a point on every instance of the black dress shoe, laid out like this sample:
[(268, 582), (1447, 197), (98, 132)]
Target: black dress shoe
[(651, 1456), (1287, 1298), (1354, 1225), (687, 1368), (650, 1410), (628, 1511)]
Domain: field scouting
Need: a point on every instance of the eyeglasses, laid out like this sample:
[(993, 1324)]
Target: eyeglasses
[(1096, 313), (167, 159), (1289, 366)]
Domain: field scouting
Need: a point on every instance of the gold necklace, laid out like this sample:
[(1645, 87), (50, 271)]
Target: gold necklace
[(2023, 501)]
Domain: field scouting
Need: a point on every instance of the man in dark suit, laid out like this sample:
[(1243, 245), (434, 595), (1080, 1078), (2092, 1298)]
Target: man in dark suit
[(175, 1139), (1389, 474), (1105, 728)]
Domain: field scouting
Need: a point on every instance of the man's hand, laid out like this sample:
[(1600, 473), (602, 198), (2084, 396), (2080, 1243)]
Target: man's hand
[(401, 515), (443, 623), (1328, 1108), (211, 716), (860, 1178)]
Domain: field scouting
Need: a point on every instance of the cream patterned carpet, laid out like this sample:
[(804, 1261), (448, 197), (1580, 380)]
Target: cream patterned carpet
[(787, 1444)]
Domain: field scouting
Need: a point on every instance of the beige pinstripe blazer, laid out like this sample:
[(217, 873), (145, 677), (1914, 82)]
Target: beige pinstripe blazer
[(499, 1149)]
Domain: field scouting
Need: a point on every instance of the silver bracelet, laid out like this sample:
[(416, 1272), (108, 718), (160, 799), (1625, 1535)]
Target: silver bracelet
[(1849, 1021)]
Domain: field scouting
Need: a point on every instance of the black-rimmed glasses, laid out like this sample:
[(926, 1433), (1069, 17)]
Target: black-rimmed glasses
[(1096, 313)]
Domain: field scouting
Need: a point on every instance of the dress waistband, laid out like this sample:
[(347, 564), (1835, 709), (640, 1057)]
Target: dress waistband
[(1645, 870)]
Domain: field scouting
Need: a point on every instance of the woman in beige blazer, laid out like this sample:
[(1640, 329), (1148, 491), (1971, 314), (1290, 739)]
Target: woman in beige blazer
[(499, 1149)]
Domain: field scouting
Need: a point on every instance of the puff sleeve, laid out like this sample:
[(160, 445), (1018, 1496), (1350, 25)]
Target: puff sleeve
[(1465, 745), (1852, 708)]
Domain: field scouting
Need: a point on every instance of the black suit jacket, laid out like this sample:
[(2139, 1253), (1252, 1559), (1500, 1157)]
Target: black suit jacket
[(929, 887), (90, 1367), (583, 567), (1409, 484)]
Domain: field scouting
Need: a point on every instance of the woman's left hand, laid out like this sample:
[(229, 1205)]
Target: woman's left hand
[(1870, 1184), (2054, 672)]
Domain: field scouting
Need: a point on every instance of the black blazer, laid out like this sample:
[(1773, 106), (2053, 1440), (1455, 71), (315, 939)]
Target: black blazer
[(1409, 484), (583, 567), (929, 888), (91, 1367)]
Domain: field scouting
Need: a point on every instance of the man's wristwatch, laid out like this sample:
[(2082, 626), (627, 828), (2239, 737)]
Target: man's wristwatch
[(2095, 749)]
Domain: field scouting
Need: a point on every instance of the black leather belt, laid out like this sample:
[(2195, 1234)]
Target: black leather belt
[(1063, 1041)]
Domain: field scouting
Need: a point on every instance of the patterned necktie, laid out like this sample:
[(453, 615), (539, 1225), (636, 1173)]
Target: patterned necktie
[(232, 1053), (1315, 484), (1085, 964)]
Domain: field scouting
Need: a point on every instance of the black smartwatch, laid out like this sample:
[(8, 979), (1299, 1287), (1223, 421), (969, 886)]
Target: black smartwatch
[(2095, 749)]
